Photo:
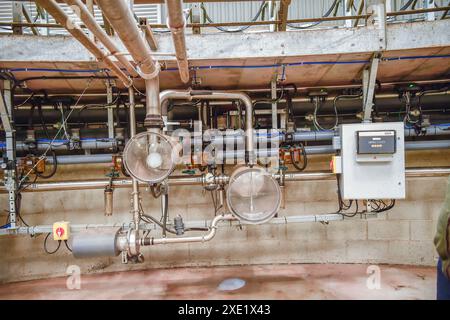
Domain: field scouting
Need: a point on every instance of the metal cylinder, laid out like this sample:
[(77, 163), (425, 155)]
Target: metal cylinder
[(100, 242), (108, 201)]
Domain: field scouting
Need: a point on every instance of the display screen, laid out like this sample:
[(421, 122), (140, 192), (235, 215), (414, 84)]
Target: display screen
[(376, 142)]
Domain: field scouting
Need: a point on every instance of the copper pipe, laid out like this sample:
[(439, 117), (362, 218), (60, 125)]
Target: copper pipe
[(62, 18), (100, 34), (176, 23), (121, 19)]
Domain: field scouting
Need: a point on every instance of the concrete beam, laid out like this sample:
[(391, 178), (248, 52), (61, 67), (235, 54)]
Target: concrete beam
[(220, 46)]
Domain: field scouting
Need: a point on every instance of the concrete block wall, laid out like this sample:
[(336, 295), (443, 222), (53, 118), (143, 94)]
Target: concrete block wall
[(401, 236)]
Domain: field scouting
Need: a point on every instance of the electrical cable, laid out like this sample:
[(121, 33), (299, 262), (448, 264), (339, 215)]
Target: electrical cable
[(45, 245), (304, 156), (57, 133), (327, 14), (239, 29)]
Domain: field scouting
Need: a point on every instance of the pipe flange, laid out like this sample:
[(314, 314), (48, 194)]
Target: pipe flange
[(133, 245)]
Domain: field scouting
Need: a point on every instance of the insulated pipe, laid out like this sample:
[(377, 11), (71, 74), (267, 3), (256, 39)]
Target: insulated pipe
[(62, 18), (100, 34), (176, 24), (189, 95), (121, 19)]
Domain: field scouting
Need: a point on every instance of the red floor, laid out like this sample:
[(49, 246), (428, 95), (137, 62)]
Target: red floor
[(308, 281)]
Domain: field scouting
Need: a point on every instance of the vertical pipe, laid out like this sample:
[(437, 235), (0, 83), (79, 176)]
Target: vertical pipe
[(176, 23), (153, 120), (135, 184)]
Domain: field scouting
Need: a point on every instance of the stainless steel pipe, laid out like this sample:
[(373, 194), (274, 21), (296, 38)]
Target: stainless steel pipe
[(135, 183), (199, 180), (189, 95), (62, 18), (92, 25), (176, 23), (121, 19)]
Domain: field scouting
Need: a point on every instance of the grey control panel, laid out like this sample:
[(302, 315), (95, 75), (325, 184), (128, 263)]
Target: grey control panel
[(373, 160)]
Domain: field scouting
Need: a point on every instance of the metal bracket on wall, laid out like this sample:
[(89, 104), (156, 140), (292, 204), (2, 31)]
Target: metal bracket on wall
[(369, 83), (195, 17), (109, 100), (6, 110), (377, 8)]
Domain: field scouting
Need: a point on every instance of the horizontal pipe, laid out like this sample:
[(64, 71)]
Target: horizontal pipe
[(237, 137), (199, 180)]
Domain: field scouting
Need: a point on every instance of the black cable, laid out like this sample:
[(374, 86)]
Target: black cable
[(333, 5), (240, 29), (54, 168), (67, 246), (45, 244), (304, 156)]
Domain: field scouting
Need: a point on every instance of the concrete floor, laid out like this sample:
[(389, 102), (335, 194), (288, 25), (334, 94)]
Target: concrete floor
[(307, 281)]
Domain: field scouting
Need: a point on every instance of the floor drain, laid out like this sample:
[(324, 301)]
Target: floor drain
[(231, 284)]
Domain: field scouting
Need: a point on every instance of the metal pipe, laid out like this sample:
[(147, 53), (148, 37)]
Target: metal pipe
[(135, 182), (199, 180), (153, 120), (189, 95), (90, 23), (62, 18), (176, 24), (121, 19), (204, 238)]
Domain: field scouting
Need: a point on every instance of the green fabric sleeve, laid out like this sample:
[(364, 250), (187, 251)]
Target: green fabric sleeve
[(441, 239)]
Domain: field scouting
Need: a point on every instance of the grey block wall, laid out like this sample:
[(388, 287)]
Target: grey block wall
[(401, 236)]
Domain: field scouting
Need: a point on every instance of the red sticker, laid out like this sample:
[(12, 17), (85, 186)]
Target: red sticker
[(59, 232)]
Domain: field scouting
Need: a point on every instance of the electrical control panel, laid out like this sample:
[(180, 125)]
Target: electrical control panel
[(373, 161)]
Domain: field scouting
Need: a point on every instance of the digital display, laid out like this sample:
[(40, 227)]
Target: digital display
[(376, 142)]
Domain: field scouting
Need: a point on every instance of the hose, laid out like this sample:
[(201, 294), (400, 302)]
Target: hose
[(304, 156), (327, 14)]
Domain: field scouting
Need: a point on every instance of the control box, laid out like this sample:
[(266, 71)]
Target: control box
[(373, 161), (61, 230)]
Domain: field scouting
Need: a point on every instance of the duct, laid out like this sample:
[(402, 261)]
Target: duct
[(62, 18), (189, 95), (176, 23), (100, 34), (199, 180)]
